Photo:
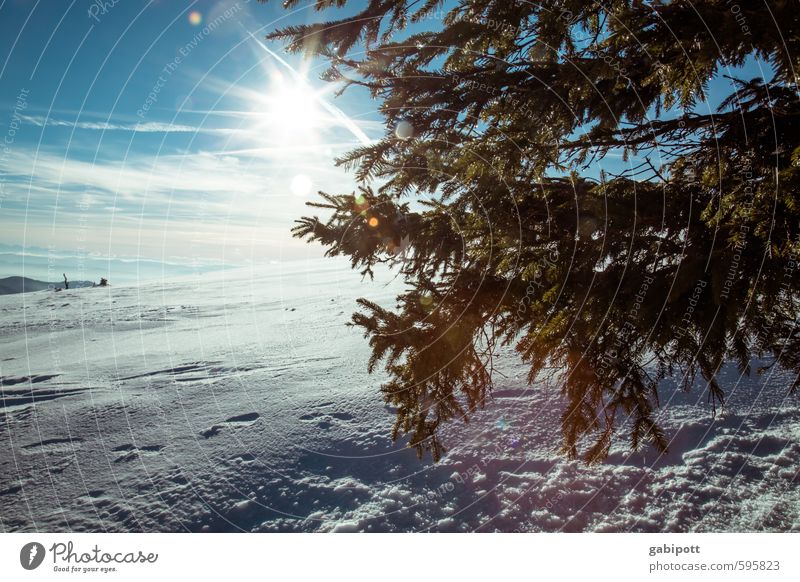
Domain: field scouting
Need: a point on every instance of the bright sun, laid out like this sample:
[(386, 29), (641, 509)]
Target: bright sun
[(291, 109)]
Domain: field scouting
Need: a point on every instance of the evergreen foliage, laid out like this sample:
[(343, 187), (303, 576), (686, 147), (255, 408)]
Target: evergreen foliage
[(682, 262)]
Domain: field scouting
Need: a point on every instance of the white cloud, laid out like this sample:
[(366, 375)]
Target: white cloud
[(136, 177), (173, 200), (140, 127)]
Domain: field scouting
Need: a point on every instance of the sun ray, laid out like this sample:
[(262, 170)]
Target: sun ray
[(299, 78)]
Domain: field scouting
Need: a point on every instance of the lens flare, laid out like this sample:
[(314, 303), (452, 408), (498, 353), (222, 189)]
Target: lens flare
[(404, 130)]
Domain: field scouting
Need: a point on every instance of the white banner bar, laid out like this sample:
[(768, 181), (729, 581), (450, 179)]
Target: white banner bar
[(399, 557)]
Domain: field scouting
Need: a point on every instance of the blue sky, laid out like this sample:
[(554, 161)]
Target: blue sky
[(163, 130), (170, 132)]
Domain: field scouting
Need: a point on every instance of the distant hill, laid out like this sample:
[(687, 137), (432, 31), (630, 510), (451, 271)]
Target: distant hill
[(11, 285)]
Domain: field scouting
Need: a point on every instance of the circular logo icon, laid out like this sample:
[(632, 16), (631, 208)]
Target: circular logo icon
[(31, 555)]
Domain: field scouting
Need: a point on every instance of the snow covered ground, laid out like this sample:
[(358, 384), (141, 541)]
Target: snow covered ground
[(240, 401)]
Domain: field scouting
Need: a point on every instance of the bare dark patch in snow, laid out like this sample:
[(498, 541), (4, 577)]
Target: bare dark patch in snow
[(27, 379)]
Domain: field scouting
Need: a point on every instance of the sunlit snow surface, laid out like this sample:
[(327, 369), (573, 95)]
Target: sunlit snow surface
[(240, 401)]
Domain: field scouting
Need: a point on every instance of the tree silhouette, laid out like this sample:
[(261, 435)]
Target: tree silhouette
[(499, 114)]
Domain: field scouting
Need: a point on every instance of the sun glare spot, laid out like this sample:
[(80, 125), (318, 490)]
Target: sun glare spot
[(301, 185), (291, 109)]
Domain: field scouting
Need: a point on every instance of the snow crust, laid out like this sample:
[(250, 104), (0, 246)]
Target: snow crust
[(240, 401)]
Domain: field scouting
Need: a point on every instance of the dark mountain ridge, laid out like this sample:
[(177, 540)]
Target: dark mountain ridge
[(10, 285)]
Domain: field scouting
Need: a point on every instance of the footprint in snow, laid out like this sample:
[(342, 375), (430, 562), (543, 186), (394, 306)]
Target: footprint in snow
[(233, 422), (326, 421), (244, 458), (53, 445), (129, 452)]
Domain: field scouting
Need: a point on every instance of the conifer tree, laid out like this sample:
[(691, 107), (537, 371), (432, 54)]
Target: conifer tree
[(498, 115)]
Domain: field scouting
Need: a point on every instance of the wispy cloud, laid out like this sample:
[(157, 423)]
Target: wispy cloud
[(195, 203), (142, 127), (186, 184)]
